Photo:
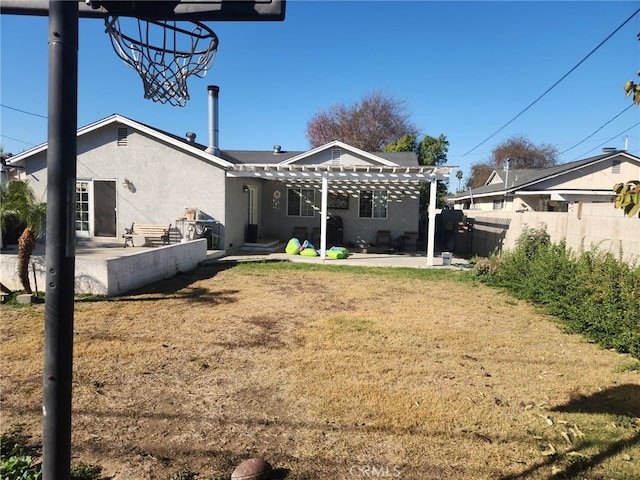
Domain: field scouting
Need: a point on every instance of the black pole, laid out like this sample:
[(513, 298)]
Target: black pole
[(60, 243)]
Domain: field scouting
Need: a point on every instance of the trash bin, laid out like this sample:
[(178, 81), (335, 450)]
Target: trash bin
[(446, 258), (252, 233)]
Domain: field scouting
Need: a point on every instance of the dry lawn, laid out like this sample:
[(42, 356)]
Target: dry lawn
[(330, 373)]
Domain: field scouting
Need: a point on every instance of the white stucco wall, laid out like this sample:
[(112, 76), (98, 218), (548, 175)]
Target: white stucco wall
[(597, 225), (237, 211), (600, 176), (164, 180)]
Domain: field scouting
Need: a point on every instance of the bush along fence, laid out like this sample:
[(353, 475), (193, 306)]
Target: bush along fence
[(591, 292)]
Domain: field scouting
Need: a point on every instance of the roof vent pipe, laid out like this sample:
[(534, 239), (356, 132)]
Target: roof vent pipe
[(213, 120), (191, 137), (276, 149)]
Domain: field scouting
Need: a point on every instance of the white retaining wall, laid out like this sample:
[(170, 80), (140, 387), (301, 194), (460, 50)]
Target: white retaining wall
[(115, 276)]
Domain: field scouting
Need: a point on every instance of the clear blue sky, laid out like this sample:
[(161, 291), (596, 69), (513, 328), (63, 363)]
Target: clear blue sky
[(464, 69)]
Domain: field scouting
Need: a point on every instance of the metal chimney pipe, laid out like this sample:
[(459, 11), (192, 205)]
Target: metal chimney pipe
[(213, 91)]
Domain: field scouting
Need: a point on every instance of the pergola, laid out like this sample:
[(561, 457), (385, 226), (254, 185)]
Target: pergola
[(351, 179)]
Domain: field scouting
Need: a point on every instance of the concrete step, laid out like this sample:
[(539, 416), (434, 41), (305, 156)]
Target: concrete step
[(263, 246)]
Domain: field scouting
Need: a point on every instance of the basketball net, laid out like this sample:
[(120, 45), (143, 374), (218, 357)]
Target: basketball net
[(164, 54)]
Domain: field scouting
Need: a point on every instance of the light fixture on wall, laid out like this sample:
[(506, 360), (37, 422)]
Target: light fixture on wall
[(126, 184), (245, 188)]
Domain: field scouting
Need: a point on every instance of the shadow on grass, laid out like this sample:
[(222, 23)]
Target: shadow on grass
[(176, 287), (618, 400), (622, 401)]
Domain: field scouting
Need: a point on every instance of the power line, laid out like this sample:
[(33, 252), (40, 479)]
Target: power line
[(17, 140), (23, 111), (607, 141), (600, 128), (555, 84)]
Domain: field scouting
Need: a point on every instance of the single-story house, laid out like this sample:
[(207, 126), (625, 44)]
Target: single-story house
[(129, 172), (554, 189)]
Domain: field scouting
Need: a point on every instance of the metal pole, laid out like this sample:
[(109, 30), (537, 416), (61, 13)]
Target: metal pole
[(60, 243)]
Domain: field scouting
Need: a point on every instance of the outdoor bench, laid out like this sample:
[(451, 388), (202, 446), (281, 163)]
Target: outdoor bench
[(152, 233)]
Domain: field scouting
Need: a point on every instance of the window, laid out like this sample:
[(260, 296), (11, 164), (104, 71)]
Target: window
[(498, 204), (82, 206), (301, 202), (373, 204)]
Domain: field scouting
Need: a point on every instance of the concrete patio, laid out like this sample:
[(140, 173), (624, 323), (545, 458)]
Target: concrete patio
[(105, 267), (404, 260)]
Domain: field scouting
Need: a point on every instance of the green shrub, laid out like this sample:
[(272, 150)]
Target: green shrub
[(19, 468), (16, 443), (17, 459), (592, 292)]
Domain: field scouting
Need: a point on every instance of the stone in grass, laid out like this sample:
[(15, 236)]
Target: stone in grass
[(252, 469)]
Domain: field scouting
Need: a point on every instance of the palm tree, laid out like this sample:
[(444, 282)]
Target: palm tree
[(459, 177), (17, 203)]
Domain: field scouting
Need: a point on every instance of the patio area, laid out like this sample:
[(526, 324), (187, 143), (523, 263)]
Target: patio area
[(403, 260), (105, 267)]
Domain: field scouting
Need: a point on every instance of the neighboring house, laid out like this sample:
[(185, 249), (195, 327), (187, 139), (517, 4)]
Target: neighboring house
[(128, 172), (555, 189)]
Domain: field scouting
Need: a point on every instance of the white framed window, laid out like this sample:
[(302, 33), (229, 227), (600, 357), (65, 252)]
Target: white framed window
[(373, 204), (301, 202), (498, 204), (82, 207)]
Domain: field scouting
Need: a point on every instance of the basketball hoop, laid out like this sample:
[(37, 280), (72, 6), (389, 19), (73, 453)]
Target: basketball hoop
[(164, 54)]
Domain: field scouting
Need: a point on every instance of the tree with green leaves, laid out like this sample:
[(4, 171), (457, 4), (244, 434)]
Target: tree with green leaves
[(430, 151), (632, 89), (459, 176), (406, 143), (628, 194), (628, 197), (18, 204), (433, 151)]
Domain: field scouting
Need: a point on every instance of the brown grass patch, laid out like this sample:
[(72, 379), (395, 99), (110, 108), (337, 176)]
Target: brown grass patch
[(330, 373)]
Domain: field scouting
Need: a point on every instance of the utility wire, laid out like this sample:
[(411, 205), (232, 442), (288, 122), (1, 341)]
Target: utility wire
[(607, 141), (23, 111), (17, 140), (554, 85), (600, 128)]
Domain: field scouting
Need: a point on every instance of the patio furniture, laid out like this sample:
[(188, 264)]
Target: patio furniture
[(383, 238), (128, 236), (411, 242), (315, 236), (301, 233), (152, 233)]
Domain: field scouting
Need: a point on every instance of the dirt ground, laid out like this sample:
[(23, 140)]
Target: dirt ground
[(329, 373)]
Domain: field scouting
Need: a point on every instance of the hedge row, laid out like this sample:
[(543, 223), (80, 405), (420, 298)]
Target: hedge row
[(591, 292)]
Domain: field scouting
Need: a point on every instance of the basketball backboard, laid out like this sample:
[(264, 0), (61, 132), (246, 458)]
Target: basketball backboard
[(198, 10)]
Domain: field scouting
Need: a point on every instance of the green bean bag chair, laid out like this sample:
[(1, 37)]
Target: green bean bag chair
[(293, 247), (337, 252)]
